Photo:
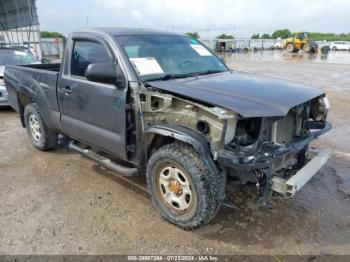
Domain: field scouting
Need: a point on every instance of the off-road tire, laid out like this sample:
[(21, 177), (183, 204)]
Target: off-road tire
[(204, 185), (290, 47), (48, 138)]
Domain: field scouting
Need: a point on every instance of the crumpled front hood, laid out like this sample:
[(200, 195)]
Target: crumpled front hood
[(247, 94)]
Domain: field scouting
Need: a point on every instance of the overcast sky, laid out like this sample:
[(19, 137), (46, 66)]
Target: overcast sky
[(241, 18)]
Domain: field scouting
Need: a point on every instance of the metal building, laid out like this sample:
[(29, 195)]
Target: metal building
[(19, 25)]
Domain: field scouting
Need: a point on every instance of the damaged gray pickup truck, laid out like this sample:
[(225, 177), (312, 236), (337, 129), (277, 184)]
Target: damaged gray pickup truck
[(143, 101)]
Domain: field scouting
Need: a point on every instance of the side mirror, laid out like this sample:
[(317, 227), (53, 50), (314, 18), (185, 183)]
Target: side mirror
[(102, 73)]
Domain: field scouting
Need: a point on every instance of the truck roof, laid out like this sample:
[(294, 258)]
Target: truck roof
[(123, 31)]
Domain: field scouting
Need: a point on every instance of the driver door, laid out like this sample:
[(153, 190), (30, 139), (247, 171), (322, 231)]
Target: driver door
[(92, 112)]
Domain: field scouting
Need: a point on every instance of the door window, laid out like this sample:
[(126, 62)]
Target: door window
[(86, 52)]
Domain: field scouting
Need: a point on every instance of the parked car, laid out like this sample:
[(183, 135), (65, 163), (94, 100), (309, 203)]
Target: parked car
[(12, 56), (340, 45), (165, 104)]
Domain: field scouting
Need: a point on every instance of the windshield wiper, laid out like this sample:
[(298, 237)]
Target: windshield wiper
[(208, 72), (175, 76), (171, 76)]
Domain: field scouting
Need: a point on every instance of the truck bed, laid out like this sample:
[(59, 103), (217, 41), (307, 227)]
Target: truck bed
[(39, 81)]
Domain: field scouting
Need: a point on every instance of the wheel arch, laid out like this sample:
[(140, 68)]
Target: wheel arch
[(25, 97), (23, 100), (162, 134)]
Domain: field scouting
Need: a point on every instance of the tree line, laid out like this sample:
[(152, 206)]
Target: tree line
[(47, 34), (285, 33)]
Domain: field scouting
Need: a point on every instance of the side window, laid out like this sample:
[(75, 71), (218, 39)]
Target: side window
[(87, 52)]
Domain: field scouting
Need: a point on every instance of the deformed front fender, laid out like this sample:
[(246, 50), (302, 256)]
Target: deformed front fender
[(199, 143), (186, 135)]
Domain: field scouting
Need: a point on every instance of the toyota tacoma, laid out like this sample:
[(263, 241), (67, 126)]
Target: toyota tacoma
[(163, 104)]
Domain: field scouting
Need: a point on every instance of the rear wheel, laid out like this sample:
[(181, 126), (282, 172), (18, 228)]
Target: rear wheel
[(182, 186), (334, 48), (290, 47), (40, 135)]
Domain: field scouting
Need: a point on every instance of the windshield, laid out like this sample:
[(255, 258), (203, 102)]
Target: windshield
[(16, 57), (160, 56)]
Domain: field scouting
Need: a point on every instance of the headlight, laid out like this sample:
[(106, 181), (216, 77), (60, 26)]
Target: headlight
[(320, 108), (326, 103), (2, 82)]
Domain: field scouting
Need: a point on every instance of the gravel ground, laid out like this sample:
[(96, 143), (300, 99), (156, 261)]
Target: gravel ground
[(60, 203)]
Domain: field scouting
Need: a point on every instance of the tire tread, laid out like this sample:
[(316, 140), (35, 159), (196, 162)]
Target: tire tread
[(205, 180), (50, 137)]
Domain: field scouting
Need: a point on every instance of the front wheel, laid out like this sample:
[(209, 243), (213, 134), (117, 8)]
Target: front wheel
[(182, 186), (40, 135), (290, 47)]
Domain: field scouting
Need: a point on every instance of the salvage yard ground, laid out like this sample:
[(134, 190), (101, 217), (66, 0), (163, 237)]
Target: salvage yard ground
[(60, 203)]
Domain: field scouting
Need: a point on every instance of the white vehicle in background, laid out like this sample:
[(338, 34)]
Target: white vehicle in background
[(340, 45), (12, 56), (278, 44)]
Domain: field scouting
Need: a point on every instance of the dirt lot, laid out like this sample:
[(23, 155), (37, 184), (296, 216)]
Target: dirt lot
[(60, 203)]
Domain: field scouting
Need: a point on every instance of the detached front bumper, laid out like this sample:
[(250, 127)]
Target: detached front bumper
[(264, 160), (288, 187)]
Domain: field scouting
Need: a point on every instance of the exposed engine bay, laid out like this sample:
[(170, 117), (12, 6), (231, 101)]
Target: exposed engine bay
[(264, 148), (249, 149)]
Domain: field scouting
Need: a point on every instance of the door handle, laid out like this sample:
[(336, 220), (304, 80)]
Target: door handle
[(67, 90)]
